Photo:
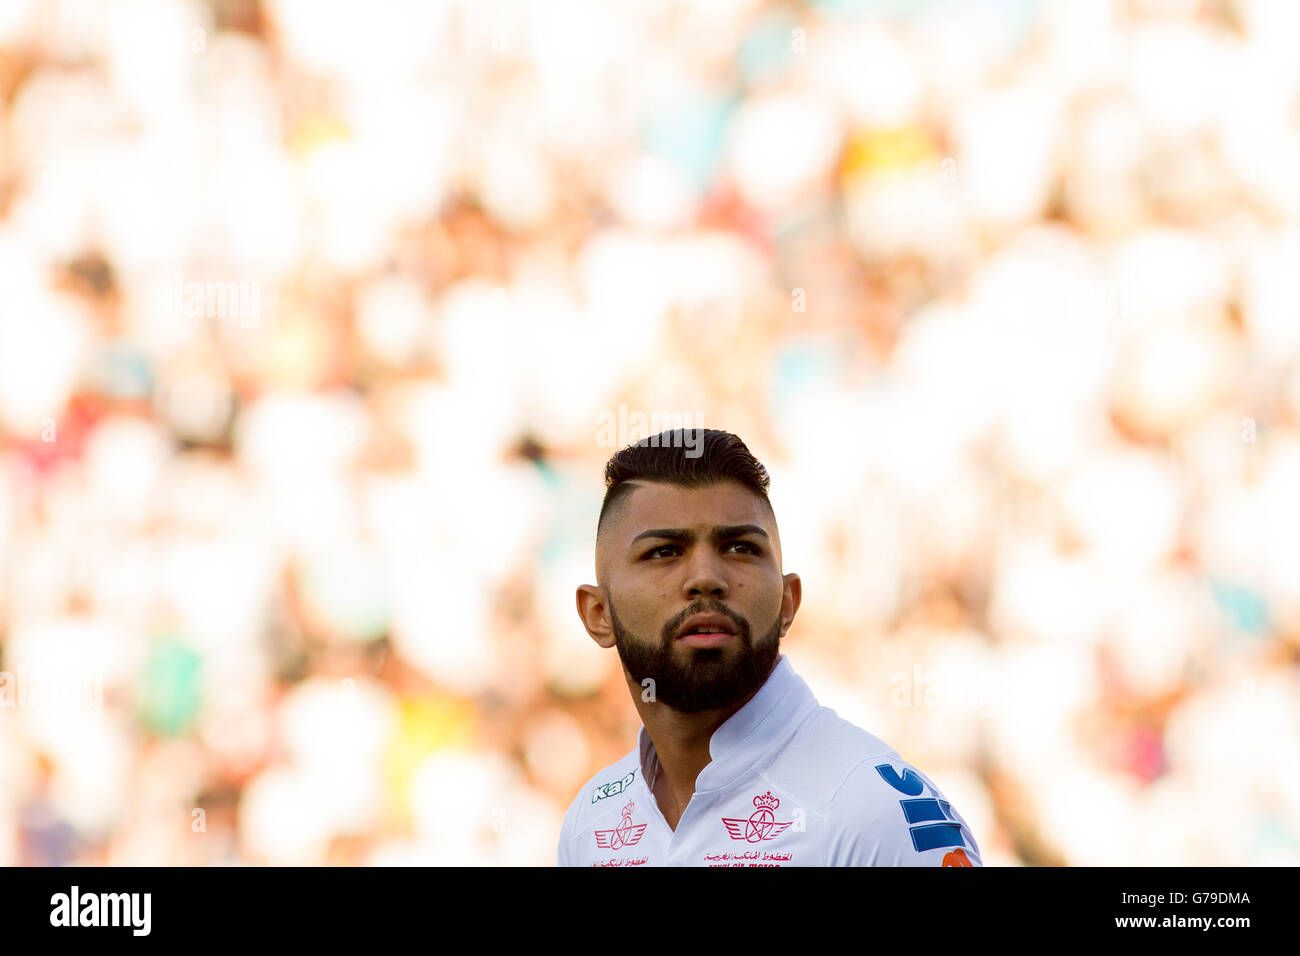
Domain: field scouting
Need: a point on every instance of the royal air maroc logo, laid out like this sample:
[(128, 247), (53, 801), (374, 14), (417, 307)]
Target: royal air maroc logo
[(626, 833), (761, 824)]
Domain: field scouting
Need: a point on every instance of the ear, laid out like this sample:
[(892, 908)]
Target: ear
[(594, 612), (791, 595)]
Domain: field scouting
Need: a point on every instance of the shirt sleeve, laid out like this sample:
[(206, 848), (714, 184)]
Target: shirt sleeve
[(887, 813)]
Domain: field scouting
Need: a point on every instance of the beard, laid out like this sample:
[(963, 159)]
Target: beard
[(695, 679)]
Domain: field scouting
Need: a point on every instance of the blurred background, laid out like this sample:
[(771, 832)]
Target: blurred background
[(319, 320)]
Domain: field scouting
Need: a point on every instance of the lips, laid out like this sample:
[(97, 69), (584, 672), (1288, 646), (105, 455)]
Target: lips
[(698, 621), (707, 640)]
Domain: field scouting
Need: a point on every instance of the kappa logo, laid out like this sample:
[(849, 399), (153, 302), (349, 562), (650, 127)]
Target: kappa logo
[(613, 788), (626, 833), (761, 824)]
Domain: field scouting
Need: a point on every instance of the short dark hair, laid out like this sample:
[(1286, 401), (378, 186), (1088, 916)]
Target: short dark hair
[(718, 456)]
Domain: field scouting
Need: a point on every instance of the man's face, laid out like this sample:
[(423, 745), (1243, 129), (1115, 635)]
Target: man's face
[(672, 553)]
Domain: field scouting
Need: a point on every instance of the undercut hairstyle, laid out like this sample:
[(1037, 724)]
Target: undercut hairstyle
[(686, 457)]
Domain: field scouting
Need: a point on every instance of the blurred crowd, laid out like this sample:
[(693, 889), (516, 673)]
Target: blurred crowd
[(319, 320)]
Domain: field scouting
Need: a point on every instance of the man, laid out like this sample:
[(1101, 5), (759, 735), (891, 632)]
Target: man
[(737, 764)]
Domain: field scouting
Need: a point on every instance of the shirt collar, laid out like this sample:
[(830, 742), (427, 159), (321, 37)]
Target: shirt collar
[(766, 723)]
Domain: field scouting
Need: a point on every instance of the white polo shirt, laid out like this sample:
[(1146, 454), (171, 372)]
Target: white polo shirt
[(790, 784)]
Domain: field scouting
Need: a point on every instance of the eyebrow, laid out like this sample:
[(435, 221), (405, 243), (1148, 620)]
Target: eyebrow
[(687, 536)]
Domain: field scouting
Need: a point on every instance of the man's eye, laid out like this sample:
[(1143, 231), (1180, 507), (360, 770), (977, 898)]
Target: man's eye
[(653, 552)]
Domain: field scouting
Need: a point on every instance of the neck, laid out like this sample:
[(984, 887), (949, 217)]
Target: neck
[(681, 743)]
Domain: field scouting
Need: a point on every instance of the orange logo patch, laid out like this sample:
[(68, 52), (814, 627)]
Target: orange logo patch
[(956, 858)]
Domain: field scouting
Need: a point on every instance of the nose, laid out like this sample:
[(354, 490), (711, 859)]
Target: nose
[(704, 576)]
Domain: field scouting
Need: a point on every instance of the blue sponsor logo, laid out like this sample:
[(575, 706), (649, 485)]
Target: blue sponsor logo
[(932, 836), (928, 835), (909, 783), (922, 810)]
